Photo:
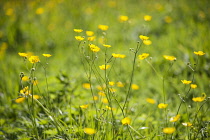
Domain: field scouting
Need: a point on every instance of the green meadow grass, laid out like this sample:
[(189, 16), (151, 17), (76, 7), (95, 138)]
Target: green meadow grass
[(79, 101)]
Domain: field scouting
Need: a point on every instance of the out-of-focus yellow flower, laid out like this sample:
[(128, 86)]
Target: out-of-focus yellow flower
[(23, 54), (170, 58), (134, 87), (89, 131), (174, 119), (104, 67), (123, 18), (147, 42), (101, 93), (147, 18), (35, 96), (84, 106), (91, 38), (126, 121), (20, 100), (89, 33), (107, 46), (78, 30), (112, 90), (142, 37), (94, 48), (120, 84), (101, 88), (47, 55), (95, 98), (79, 38), (187, 124), (168, 19), (199, 53), (25, 91), (86, 85), (162, 105), (169, 130), (9, 12), (105, 100), (118, 55), (199, 99), (151, 101), (39, 11), (103, 27), (34, 59), (193, 86), (35, 82), (111, 83), (143, 56), (186, 82), (25, 78)]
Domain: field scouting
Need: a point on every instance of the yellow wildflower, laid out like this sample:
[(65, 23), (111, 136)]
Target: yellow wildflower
[(147, 42), (20, 100), (35, 96), (126, 121), (89, 131), (47, 55), (9, 12), (84, 106), (186, 82), (143, 56), (170, 58), (111, 83), (78, 30), (107, 46), (187, 124), (169, 130), (199, 53), (39, 11), (134, 87), (109, 108), (89, 33), (105, 100), (122, 56), (23, 54), (94, 48), (174, 119), (101, 87), (118, 55), (142, 37), (25, 91), (86, 85), (101, 93), (162, 105), (91, 38), (120, 84), (199, 99), (147, 17), (103, 27), (123, 18), (34, 59), (151, 101), (95, 98), (104, 67), (25, 78), (112, 90), (79, 38), (193, 86), (35, 82)]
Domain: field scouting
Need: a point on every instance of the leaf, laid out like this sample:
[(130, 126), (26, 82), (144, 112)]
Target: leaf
[(51, 132)]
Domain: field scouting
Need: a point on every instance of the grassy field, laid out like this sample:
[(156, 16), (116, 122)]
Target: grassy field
[(104, 70)]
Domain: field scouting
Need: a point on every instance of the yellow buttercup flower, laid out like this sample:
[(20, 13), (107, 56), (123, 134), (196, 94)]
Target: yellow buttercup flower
[(107, 46), (79, 38), (169, 130), (95, 98), (25, 78), (23, 54), (20, 100), (186, 82), (174, 119), (91, 38), (78, 30), (142, 37), (143, 56), (94, 48), (89, 33), (47, 55), (187, 124), (134, 87), (151, 101), (34, 59), (199, 99), (147, 17), (112, 90), (39, 11), (25, 91), (111, 83), (162, 105), (84, 106), (120, 84), (105, 100), (193, 86), (103, 27), (170, 58), (199, 53), (101, 93), (104, 67), (118, 55), (147, 42), (123, 18), (86, 85), (126, 121), (89, 131), (35, 82)]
